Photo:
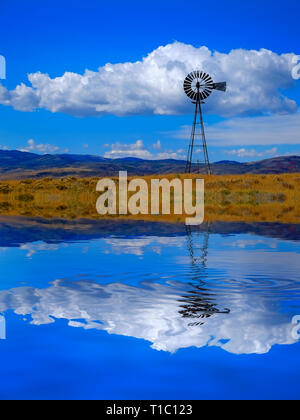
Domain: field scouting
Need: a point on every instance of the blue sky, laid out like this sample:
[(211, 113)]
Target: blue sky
[(125, 116)]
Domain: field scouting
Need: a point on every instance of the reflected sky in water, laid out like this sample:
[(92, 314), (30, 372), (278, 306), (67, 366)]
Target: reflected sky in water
[(143, 311)]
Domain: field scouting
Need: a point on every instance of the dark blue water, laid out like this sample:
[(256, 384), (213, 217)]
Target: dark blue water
[(148, 311)]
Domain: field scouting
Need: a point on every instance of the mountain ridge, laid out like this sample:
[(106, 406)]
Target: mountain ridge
[(16, 164)]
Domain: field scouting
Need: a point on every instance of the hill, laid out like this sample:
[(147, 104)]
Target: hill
[(18, 165)]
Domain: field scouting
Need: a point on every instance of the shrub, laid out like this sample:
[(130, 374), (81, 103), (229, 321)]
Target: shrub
[(4, 206), (5, 189), (25, 197)]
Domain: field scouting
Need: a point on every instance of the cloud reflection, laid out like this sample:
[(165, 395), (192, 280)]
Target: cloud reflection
[(163, 314), (138, 246)]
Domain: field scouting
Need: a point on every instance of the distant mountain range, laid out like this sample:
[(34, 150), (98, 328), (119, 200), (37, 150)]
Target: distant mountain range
[(18, 165)]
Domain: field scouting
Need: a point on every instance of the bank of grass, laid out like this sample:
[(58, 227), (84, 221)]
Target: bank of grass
[(261, 198)]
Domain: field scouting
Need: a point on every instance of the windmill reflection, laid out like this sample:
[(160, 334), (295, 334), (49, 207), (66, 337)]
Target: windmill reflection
[(198, 303)]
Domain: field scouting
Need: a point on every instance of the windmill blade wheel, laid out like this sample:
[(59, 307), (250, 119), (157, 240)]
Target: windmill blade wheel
[(198, 85)]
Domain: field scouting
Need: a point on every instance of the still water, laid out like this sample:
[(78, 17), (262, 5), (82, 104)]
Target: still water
[(112, 310)]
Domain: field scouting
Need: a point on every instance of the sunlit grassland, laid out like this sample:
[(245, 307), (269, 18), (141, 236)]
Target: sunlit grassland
[(261, 198)]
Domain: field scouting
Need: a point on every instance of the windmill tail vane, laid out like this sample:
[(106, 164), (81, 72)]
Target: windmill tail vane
[(198, 86)]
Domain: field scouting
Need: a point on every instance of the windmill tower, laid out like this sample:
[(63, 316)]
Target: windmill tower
[(198, 86), (199, 302)]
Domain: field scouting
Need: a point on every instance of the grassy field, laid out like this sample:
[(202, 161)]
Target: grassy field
[(261, 198)]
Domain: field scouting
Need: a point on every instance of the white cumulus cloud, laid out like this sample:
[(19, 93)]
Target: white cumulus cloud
[(252, 153), (139, 150), (157, 145), (256, 80), (32, 146)]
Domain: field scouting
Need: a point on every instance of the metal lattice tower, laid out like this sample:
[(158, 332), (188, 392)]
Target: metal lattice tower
[(199, 302), (198, 86)]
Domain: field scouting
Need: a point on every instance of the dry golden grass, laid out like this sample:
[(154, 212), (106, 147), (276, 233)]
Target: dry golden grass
[(268, 198)]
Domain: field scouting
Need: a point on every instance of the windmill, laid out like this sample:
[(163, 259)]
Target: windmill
[(198, 86)]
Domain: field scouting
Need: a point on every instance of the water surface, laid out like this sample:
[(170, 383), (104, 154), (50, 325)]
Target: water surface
[(139, 310)]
